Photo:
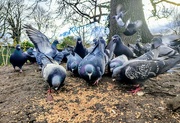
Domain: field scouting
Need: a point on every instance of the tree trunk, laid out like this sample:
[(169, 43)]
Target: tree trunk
[(134, 10)]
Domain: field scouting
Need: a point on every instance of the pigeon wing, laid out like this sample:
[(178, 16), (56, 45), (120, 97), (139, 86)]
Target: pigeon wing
[(40, 41)]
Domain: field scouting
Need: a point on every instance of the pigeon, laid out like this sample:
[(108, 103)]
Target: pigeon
[(120, 47), (42, 44), (170, 39), (92, 66), (80, 49), (53, 73), (164, 50), (119, 16), (132, 27), (18, 58), (118, 61), (73, 61), (152, 54), (136, 71), (31, 54), (139, 49), (66, 51)]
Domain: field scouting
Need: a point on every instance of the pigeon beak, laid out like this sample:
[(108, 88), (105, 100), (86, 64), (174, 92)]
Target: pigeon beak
[(19, 48), (72, 70), (56, 88), (89, 74), (111, 69), (79, 42)]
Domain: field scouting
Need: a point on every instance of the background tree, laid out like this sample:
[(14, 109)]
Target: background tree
[(134, 10), (12, 12)]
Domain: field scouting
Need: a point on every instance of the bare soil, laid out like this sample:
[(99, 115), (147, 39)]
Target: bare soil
[(23, 99)]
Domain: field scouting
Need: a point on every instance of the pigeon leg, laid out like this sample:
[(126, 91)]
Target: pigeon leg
[(49, 96), (20, 71), (137, 88), (97, 81)]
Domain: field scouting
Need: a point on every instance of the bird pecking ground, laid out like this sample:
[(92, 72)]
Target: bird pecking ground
[(23, 99)]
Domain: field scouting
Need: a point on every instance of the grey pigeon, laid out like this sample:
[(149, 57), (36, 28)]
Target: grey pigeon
[(120, 47), (31, 54), (164, 50), (53, 73), (152, 54), (118, 61), (73, 61), (138, 70), (18, 58), (42, 44), (80, 49), (132, 27), (119, 15), (92, 67)]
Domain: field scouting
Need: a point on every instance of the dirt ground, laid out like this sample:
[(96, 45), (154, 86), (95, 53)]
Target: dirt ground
[(23, 99)]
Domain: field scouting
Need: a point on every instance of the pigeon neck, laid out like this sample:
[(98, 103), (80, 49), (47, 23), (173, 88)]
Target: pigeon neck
[(18, 52)]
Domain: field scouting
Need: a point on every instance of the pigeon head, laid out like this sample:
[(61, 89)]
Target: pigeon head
[(79, 40), (74, 66), (116, 72), (157, 41), (116, 39), (56, 42), (56, 82), (102, 41), (30, 51), (95, 41), (89, 70), (18, 47), (114, 65)]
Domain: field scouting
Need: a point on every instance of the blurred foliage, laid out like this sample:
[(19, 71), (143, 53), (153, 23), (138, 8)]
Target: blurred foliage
[(5, 52), (69, 40), (26, 44)]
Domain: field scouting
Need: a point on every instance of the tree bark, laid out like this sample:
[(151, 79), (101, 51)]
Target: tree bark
[(134, 10)]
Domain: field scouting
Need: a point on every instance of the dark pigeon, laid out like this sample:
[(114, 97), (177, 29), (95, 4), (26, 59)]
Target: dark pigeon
[(80, 49), (119, 15), (92, 67), (139, 49), (42, 44), (66, 51), (120, 47), (132, 27), (73, 61), (54, 44), (18, 58)]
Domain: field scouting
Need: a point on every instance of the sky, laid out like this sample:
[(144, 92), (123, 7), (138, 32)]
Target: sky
[(147, 10), (154, 23)]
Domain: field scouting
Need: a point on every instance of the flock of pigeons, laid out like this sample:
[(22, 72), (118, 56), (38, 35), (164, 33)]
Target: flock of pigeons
[(128, 64)]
